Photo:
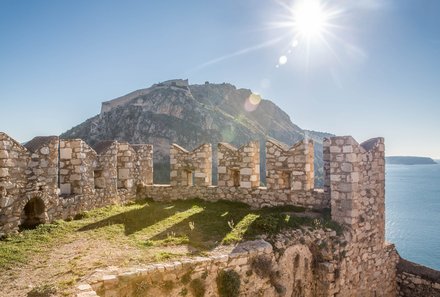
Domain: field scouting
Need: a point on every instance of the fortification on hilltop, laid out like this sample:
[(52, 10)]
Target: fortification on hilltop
[(51, 178)]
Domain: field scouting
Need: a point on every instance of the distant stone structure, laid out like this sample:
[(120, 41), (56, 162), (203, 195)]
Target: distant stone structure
[(50, 178), (174, 83)]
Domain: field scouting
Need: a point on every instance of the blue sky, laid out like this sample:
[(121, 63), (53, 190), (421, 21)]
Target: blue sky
[(378, 75)]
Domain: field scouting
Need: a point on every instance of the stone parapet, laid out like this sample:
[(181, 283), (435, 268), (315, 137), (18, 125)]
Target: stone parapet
[(191, 168), (256, 197), (290, 168), (416, 280), (239, 167)]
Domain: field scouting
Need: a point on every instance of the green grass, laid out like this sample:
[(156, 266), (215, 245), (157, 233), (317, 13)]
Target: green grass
[(148, 224)]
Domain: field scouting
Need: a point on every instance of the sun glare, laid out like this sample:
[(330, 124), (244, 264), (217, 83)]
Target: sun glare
[(309, 18)]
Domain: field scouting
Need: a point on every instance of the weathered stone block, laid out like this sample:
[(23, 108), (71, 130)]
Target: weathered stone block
[(66, 153), (246, 171), (65, 189), (4, 154), (123, 173), (4, 172)]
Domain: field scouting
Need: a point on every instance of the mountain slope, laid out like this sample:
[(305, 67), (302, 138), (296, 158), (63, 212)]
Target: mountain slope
[(189, 115)]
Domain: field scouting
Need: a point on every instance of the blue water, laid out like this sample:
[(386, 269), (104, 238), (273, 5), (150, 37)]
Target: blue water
[(413, 212)]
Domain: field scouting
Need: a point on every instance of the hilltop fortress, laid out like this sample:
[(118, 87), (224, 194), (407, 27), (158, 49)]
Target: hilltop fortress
[(51, 178)]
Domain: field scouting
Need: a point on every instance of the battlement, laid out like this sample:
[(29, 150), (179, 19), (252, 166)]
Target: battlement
[(69, 176), (290, 168), (239, 167), (50, 178)]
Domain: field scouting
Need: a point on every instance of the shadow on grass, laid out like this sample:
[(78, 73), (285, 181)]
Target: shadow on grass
[(204, 225)]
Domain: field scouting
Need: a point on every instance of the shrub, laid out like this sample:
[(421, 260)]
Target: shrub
[(262, 265), (197, 287), (268, 224), (228, 283), (45, 290)]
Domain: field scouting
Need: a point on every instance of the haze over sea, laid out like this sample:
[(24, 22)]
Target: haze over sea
[(413, 212)]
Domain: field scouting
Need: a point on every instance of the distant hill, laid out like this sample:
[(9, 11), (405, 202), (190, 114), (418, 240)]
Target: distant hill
[(410, 160), (189, 115)]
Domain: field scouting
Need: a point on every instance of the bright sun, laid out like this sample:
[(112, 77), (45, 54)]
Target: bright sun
[(309, 19)]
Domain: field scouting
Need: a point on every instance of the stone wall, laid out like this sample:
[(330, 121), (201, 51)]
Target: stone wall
[(357, 193), (13, 181), (239, 167), (191, 168), (126, 159), (257, 198), (42, 169), (53, 178), (144, 163), (293, 265), (76, 167), (415, 280), (290, 168)]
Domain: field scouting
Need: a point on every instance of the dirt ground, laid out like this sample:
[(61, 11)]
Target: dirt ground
[(71, 262)]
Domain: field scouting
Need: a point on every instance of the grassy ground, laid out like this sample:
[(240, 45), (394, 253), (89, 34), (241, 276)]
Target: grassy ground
[(142, 232)]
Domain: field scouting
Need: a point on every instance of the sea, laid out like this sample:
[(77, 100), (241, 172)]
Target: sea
[(412, 212)]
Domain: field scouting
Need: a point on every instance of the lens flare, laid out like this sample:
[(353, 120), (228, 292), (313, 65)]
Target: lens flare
[(282, 60), (252, 102)]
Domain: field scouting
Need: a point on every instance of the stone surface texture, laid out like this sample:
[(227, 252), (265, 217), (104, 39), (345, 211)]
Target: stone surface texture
[(239, 167), (52, 178), (191, 168), (290, 168), (416, 280)]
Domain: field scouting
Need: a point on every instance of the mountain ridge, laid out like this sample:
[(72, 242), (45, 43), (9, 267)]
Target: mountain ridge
[(410, 160), (177, 112)]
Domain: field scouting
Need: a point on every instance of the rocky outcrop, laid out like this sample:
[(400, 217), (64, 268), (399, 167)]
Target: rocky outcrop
[(176, 112)]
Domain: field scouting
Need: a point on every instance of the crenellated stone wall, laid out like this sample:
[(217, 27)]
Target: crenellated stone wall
[(51, 178), (13, 181), (239, 167), (191, 168), (126, 159), (105, 168), (144, 163), (357, 194), (76, 164), (290, 168)]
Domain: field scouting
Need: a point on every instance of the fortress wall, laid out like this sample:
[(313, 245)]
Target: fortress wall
[(293, 266), (126, 159), (416, 280), (13, 180), (29, 177), (106, 170), (258, 197), (144, 163), (357, 192), (42, 168), (290, 168), (191, 168), (76, 167), (239, 167)]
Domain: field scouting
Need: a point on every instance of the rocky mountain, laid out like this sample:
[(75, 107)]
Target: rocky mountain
[(189, 115)]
